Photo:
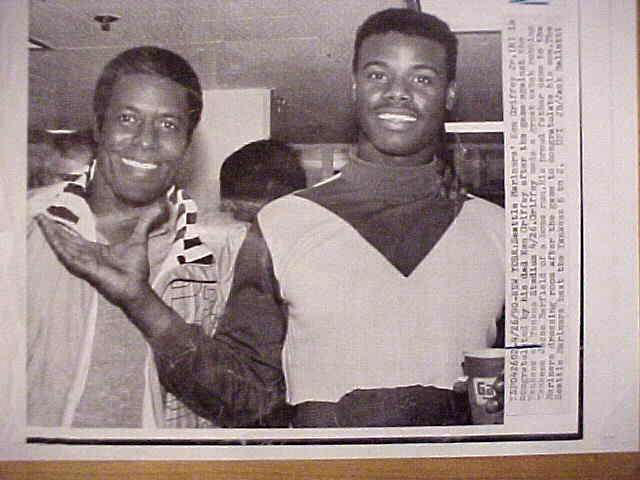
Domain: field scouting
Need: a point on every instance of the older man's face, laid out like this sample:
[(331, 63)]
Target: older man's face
[(144, 137), (402, 94)]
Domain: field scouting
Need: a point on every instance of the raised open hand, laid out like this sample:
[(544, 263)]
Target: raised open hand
[(120, 271)]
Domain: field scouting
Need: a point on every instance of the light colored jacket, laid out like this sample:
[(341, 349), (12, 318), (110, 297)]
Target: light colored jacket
[(62, 309)]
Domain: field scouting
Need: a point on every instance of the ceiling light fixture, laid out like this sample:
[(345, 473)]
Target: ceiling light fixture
[(106, 20), (61, 131)]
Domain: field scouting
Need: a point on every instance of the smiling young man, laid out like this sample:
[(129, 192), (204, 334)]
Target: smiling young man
[(86, 362), (353, 300), (402, 90)]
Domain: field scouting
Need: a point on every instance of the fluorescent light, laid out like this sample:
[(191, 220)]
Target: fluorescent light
[(60, 131), (474, 127)]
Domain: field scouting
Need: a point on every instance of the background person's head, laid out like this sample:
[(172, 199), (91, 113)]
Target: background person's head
[(403, 79), (257, 173), (147, 104), (39, 155), (55, 158), (77, 150)]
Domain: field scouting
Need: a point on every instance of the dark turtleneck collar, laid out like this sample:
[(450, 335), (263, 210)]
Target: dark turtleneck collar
[(400, 211), (395, 184)]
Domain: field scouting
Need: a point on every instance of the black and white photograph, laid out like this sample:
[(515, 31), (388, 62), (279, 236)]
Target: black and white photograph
[(295, 226)]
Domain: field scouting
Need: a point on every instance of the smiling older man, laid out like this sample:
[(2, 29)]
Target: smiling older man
[(87, 364)]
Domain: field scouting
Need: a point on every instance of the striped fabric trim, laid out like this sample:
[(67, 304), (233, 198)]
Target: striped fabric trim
[(193, 250), (70, 208), (63, 214)]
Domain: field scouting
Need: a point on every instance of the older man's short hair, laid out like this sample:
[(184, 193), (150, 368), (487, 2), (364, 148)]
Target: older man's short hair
[(152, 61)]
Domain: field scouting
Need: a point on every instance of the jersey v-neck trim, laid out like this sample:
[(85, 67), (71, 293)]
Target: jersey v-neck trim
[(398, 210)]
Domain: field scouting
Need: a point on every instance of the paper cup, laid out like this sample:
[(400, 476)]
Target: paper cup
[(482, 367)]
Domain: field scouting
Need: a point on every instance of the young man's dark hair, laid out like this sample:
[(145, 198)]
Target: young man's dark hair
[(413, 23), (152, 61)]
